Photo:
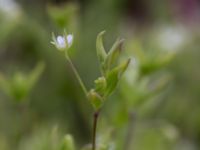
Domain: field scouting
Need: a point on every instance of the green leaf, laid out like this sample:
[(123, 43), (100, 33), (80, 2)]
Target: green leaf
[(114, 76), (114, 53), (101, 53), (95, 99), (68, 143)]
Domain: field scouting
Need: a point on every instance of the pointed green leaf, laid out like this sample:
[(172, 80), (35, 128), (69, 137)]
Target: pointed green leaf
[(114, 76), (123, 66), (101, 53), (114, 53)]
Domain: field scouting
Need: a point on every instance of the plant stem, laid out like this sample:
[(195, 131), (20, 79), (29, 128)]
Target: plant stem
[(95, 121), (77, 75), (129, 135)]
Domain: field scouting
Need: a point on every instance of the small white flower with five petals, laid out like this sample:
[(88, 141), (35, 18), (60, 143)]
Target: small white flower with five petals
[(62, 42)]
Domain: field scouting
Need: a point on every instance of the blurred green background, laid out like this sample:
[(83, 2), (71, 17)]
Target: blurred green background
[(156, 105)]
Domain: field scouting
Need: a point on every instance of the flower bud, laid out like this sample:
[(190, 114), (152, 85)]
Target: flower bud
[(95, 99)]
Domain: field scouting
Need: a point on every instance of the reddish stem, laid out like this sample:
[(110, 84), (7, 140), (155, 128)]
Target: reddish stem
[(95, 121)]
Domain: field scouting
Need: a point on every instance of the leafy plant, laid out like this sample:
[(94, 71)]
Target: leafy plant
[(111, 72)]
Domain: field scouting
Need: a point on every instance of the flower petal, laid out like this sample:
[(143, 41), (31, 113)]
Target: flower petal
[(60, 42), (69, 39)]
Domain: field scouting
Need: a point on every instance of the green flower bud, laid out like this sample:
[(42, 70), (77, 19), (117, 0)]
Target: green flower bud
[(100, 85), (95, 99)]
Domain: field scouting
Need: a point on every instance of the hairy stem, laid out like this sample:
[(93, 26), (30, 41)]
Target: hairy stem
[(77, 75), (95, 121)]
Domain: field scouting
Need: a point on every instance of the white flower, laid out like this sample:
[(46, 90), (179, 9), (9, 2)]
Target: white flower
[(62, 42)]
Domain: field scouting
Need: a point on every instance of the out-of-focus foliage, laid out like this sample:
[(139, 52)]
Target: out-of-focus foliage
[(20, 85), (156, 106), (64, 16), (45, 139)]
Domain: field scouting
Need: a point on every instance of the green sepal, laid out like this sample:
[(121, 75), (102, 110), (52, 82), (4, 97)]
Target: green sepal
[(100, 85), (114, 76), (113, 54), (67, 143), (95, 99)]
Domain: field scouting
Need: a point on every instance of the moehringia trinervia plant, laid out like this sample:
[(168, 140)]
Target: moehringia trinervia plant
[(111, 72)]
